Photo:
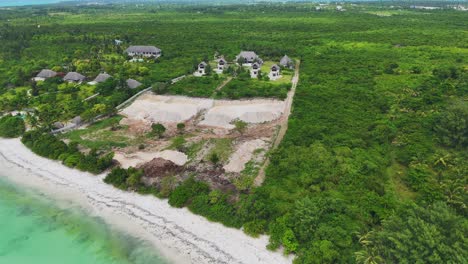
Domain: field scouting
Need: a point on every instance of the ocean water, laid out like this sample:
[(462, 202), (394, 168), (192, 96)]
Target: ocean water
[(34, 229), (27, 2)]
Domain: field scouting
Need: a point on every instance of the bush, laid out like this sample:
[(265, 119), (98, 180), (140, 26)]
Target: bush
[(255, 228), (452, 125), (11, 126), (49, 146), (158, 130), (186, 191), (117, 177)]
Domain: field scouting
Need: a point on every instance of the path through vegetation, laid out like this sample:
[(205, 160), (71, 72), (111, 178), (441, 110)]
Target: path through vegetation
[(284, 124), (221, 86)]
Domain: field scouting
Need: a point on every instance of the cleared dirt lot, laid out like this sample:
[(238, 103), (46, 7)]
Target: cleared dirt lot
[(153, 108), (208, 147)]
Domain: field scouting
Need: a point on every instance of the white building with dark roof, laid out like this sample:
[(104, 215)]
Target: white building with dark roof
[(274, 72), (201, 70), (255, 70), (222, 65), (143, 51)]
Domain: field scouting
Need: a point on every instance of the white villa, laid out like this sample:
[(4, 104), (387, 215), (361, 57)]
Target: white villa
[(255, 70), (201, 69), (274, 72), (74, 77), (143, 51), (44, 74), (222, 65)]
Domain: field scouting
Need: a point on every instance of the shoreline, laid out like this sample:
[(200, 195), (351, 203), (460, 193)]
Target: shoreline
[(179, 235)]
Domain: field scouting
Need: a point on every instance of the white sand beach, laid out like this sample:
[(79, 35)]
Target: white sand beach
[(179, 235)]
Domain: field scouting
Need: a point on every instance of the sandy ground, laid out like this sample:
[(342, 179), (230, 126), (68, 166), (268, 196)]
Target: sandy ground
[(165, 109), (178, 234), (243, 154), (219, 113), (137, 158), (255, 111)]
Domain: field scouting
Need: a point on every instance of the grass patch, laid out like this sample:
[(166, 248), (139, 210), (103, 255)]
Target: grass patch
[(222, 148), (248, 88), (194, 148), (247, 177), (98, 136), (395, 173), (196, 86)]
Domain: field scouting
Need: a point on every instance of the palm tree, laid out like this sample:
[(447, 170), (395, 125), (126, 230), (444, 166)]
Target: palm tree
[(369, 254)]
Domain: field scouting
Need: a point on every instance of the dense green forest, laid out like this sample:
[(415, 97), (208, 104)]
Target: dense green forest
[(373, 166)]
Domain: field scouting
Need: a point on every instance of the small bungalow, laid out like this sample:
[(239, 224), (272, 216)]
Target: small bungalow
[(44, 74), (255, 70), (286, 62), (102, 77), (201, 70), (133, 84), (143, 51), (74, 77), (222, 64), (248, 57), (274, 72)]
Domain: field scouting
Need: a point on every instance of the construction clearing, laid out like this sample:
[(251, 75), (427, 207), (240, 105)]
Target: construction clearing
[(224, 143), (152, 108)]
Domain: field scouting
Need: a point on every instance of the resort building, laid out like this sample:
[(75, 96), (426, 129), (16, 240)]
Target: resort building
[(286, 62), (143, 51), (222, 64), (102, 77), (201, 69), (255, 70), (74, 77), (246, 58), (274, 72), (133, 84), (44, 74)]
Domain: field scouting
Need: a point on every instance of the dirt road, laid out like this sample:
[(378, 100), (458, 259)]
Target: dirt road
[(284, 124)]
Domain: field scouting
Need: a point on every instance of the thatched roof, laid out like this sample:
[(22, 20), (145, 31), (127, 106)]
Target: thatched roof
[(102, 77), (45, 73), (275, 67), (132, 84), (248, 55), (142, 49), (255, 65), (285, 61), (74, 76)]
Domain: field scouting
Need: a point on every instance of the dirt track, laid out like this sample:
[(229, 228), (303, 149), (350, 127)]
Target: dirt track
[(284, 124)]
